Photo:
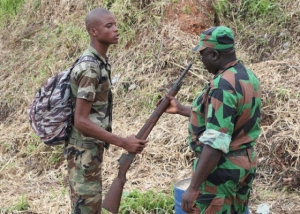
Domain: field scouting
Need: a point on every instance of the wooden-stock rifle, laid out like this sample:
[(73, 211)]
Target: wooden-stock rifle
[(113, 197)]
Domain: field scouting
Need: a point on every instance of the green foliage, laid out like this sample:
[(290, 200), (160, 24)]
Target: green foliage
[(63, 187), (6, 146), (37, 4), (108, 3), (53, 194), (75, 32), (260, 7), (147, 202), (8, 9), (186, 9), (282, 93), (262, 25), (31, 148), (22, 204), (248, 9), (155, 99), (55, 155), (7, 166), (221, 7), (63, 191), (130, 18), (147, 105)]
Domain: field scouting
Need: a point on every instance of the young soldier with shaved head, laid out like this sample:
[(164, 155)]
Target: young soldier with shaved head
[(224, 122), (91, 132)]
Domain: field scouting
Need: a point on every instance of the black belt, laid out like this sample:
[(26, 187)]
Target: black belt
[(240, 152), (83, 144), (235, 153)]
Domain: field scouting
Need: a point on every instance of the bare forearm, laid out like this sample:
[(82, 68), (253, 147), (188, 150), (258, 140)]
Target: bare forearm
[(84, 124), (184, 110), (88, 128), (208, 161)]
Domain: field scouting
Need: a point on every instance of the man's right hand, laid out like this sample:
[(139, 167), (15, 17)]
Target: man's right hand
[(134, 145), (173, 107)]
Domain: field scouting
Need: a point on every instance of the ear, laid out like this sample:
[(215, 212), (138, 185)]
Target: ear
[(215, 55), (92, 31)]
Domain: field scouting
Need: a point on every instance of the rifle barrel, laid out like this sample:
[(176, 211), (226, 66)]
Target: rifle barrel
[(113, 197)]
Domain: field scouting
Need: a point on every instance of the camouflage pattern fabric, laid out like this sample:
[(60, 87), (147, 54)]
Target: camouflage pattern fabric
[(226, 116), (84, 168), (51, 112), (218, 38), (227, 189), (92, 82)]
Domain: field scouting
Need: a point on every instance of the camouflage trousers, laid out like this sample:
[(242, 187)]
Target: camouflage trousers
[(227, 189), (85, 180)]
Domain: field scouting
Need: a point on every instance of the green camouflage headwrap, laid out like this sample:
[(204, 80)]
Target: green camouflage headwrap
[(218, 38)]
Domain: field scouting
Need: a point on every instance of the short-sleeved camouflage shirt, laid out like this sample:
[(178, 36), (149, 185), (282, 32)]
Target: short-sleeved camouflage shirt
[(226, 114), (91, 81)]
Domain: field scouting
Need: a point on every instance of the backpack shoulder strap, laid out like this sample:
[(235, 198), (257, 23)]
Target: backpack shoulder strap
[(87, 58), (101, 65), (90, 58)]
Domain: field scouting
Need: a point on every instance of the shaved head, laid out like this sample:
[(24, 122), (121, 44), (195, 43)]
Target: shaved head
[(102, 28), (94, 17)]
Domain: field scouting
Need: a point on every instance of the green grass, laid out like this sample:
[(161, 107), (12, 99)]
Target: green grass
[(186, 9), (147, 202), (62, 192), (20, 205), (268, 20), (249, 10), (127, 17), (31, 148), (55, 155), (8, 9), (261, 8)]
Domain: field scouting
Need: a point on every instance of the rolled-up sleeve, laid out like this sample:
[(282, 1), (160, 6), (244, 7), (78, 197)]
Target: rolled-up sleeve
[(220, 120), (87, 84)]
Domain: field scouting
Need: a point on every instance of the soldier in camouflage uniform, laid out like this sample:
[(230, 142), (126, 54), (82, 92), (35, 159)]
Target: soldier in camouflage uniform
[(224, 122), (91, 132)]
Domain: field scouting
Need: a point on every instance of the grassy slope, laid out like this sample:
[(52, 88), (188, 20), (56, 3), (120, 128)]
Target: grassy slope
[(46, 37)]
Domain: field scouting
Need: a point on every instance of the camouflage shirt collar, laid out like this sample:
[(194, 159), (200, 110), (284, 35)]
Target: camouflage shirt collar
[(230, 64), (94, 51)]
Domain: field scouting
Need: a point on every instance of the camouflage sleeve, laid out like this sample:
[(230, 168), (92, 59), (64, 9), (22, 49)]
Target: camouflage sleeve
[(220, 120), (87, 81)]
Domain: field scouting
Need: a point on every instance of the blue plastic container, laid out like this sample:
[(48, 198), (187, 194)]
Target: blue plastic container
[(179, 188), (247, 211)]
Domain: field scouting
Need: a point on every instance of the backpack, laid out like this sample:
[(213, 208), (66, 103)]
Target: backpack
[(51, 111)]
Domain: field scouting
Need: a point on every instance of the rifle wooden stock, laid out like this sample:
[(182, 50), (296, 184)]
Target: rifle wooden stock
[(113, 197)]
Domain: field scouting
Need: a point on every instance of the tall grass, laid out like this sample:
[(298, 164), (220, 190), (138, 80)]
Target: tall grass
[(260, 25), (249, 10), (147, 202), (8, 9), (22, 205)]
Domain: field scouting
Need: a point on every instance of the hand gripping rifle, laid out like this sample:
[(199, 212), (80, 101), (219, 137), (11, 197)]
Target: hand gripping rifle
[(113, 197)]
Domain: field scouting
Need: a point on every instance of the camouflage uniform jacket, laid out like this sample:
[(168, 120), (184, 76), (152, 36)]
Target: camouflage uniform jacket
[(92, 82), (226, 114)]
